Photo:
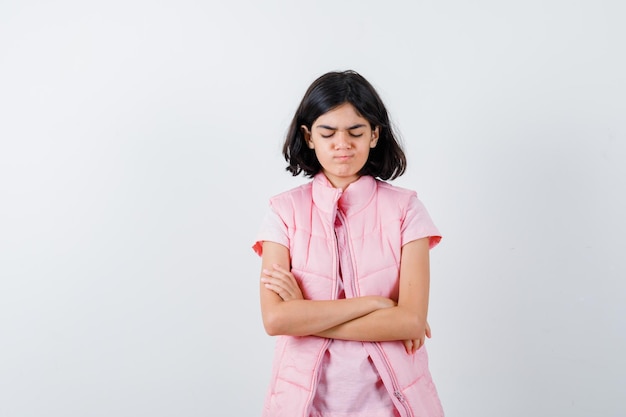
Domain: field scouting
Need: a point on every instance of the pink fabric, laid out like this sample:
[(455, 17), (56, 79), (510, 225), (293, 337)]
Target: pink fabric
[(349, 385), (379, 220)]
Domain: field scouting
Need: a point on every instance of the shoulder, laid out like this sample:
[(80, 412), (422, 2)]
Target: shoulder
[(293, 194), (297, 199), (394, 193)]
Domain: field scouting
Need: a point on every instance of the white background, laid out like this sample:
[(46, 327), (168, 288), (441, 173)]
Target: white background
[(140, 142)]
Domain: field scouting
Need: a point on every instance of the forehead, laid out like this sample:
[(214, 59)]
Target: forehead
[(341, 116)]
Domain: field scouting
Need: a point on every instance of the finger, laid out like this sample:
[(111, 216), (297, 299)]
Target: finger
[(284, 285), (286, 275), (282, 292), (278, 278), (281, 274), (274, 273), (289, 280), (289, 284), (276, 289), (408, 346), (428, 332), (284, 278), (279, 268)]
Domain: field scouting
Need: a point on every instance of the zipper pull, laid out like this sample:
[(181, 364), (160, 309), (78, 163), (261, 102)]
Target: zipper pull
[(399, 396)]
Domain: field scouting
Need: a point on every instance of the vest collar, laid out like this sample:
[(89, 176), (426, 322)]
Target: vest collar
[(352, 199)]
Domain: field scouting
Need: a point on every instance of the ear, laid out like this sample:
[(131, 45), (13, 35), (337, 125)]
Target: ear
[(375, 135), (307, 136)]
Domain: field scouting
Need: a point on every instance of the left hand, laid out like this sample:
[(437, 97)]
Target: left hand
[(411, 346), (282, 282)]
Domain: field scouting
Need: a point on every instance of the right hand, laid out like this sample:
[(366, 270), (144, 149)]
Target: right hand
[(282, 282)]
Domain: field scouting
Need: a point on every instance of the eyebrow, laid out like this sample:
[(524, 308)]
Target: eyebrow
[(334, 128)]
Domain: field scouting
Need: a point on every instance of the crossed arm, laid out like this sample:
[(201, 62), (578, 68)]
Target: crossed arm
[(367, 318)]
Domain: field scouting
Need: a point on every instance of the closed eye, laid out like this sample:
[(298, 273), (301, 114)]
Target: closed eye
[(354, 131), (354, 135)]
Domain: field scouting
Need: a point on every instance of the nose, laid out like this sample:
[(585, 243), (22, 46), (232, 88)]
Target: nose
[(342, 140)]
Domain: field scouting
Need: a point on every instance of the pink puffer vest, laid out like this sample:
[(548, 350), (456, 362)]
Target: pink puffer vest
[(373, 212)]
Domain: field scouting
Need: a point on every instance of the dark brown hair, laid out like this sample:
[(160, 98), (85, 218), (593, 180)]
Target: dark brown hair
[(386, 161)]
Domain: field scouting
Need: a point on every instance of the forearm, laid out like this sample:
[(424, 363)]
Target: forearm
[(407, 320), (310, 317), (396, 323)]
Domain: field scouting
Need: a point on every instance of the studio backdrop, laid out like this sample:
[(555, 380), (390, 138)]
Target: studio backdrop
[(140, 142)]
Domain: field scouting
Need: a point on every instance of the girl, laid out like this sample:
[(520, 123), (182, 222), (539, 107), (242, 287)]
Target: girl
[(345, 267)]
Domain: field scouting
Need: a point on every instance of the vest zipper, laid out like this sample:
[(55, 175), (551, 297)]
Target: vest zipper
[(394, 382), (355, 293), (315, 377), (323, 349)]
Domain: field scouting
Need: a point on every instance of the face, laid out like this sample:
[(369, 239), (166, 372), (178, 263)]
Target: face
[(341, 139)]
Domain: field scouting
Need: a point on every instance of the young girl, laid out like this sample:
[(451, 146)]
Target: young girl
[(345, 266)]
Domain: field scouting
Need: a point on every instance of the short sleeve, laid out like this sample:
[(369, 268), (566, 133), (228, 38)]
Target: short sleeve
[(417, 224), (272, 229)]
